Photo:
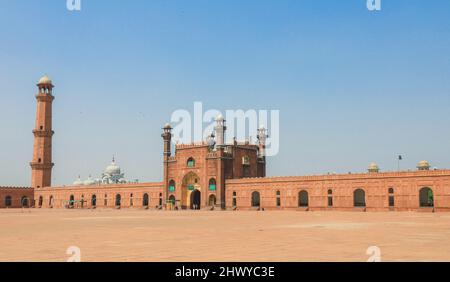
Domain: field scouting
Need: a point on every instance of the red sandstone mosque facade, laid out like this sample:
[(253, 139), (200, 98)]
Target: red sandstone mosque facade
[(215, 175)]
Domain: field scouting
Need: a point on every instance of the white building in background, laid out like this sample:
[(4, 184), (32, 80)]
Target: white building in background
[(111, 175)]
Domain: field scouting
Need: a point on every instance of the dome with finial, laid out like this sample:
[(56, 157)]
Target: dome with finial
[(78, 182), (45, 80), (113, 174), (113, 168), (89, 181), (423, 165), (373, 167)]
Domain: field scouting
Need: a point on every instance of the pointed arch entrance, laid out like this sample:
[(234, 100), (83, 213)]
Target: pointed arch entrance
[(256, 199), (25, 201), (196, 197), (359, 198), (191, 192), (94, 201), (212, 200), (303, 199), (426, 197)]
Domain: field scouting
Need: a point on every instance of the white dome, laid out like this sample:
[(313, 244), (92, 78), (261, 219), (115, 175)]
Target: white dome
[(89, 181), (112, 169), (45, 80), (78, 182)]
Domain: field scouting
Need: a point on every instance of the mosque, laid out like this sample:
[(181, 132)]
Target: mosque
[(214, 175), (112, 175)]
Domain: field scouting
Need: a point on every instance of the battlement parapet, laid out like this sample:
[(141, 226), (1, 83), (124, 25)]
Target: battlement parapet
[(348, 176)]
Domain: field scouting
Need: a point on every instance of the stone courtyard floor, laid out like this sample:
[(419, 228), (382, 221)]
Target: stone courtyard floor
[(139, 235)]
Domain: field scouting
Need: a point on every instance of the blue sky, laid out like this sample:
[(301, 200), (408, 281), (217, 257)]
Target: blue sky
[(352, 86)]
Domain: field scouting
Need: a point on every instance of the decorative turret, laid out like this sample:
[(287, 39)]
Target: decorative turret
[(220, 131), (167, 137), (423, 165), (211, 141), (262, 138), (373, 168)]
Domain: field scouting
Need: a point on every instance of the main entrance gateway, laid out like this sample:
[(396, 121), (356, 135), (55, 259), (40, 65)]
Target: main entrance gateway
[(195, 200), (191, 192)]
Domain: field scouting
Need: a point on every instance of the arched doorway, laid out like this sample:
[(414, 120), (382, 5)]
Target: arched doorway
[(25, 202), (8, 201), (50, 202), (94, 201), (256, 199), (303, 199), (212, 200), (330, 198), (41, 201), (171, 202), (426, 197), (71, 201), (359, 198), (391, 197), (190, 184), (145, 200), (195, 199), (118, 200)]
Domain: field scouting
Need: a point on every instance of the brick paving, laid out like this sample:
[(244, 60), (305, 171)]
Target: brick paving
[(140, 235)]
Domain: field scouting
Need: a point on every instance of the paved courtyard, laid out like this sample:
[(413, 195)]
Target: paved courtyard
[(139, 235)]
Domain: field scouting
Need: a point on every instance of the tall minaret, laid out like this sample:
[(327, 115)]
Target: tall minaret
[(220, 131), (41, 165), (167, 137), (262, 142), (262, 139)]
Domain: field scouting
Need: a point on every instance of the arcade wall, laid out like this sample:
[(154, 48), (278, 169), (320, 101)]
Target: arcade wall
[(131, 195), (17, 197), (406, 187)]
